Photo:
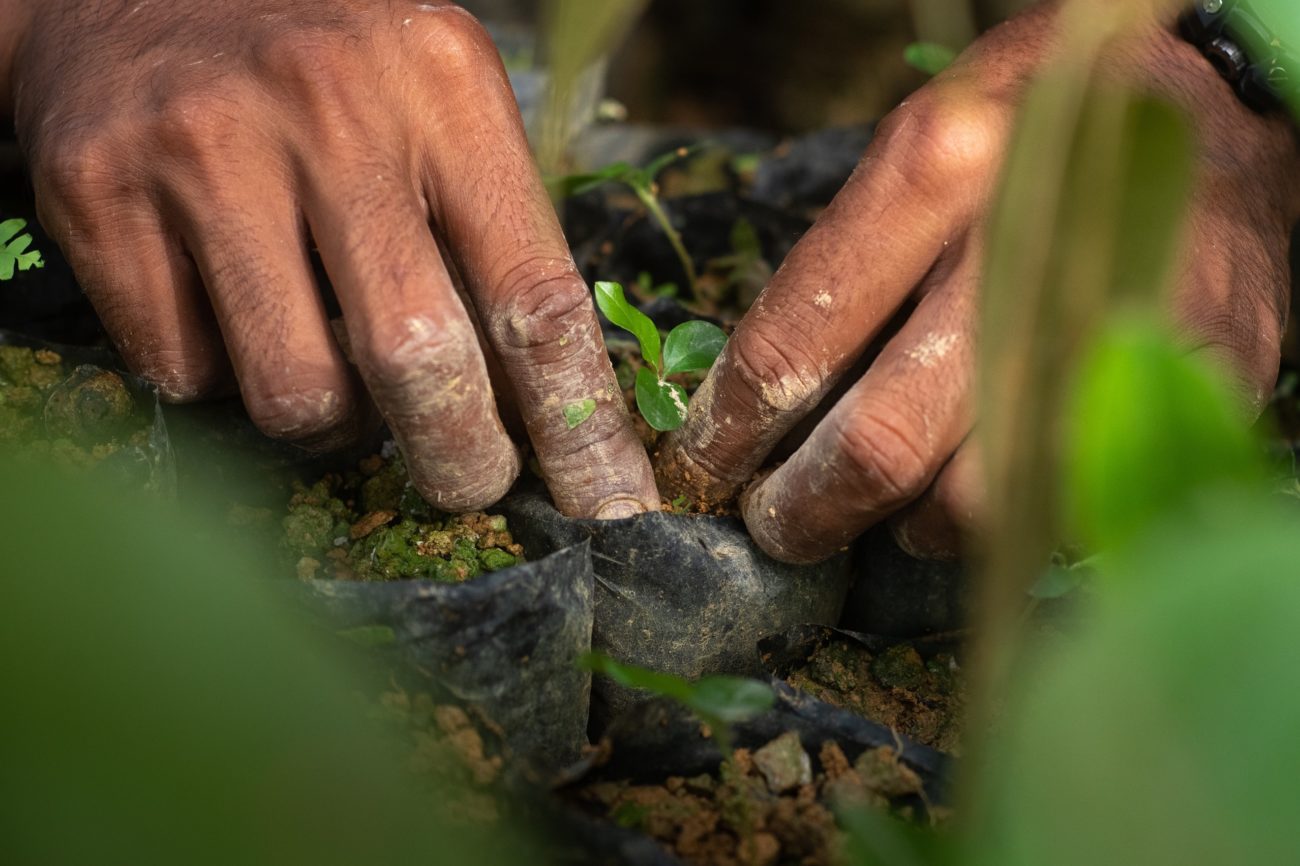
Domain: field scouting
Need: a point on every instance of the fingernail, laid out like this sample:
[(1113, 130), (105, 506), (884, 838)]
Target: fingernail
[(620, 509)]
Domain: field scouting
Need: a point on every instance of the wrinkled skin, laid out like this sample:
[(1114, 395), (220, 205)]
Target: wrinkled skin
[(187, 155), (908, 227)]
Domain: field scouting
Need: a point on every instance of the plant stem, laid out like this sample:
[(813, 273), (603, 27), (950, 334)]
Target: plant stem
[(651, 202)]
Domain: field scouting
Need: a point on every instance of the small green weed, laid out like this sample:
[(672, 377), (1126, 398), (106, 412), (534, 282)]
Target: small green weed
[(929, 57), (690, 347), (718, 701), (642, 182), (14, 255)]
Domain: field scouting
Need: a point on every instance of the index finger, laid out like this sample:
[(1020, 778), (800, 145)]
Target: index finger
[(488, 199), (838, 288)]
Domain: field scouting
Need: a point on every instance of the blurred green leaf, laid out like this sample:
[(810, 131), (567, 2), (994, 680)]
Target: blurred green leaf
[(730, 699), (616, 307), (662, 404), (929, 57), (1149, 427), (717, 700), (1165, 732), (693, 346), (165, 703)]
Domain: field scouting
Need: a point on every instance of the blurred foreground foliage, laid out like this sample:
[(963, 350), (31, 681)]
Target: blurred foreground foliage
[(164, 703), (1160, 729)]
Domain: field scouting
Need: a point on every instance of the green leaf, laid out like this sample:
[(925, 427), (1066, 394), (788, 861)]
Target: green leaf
[(1148, 429), (929, 57), (633, 677), (730, 699), (610, 299), (566, 186), (693, 346), (656, 166), (576, 413), (13, 249), (10, 228), (715, 698), (662, 404)]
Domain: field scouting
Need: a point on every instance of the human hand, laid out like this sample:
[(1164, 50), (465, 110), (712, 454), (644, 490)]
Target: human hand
[(187, 155), (907, 233)]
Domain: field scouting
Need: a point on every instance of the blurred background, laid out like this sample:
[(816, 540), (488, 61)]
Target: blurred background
[(770, 64)]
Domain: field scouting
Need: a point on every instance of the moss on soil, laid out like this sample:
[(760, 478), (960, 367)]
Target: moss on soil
[(371, 524), (75, 416), (919, 697)]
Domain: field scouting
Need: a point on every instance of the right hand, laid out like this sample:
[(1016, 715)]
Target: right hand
[(186, 155)]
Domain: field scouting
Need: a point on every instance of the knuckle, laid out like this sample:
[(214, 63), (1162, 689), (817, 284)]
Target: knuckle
[(76, 166), (880, 449), (458, 39), (933, 142), (542, 307), (195, 123), (300, 54), (782, 375), (414, 352)]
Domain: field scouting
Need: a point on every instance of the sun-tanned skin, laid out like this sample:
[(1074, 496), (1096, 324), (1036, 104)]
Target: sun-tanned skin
[(909, 226), (186, 155)]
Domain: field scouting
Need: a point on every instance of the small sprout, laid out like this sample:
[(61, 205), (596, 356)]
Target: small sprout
[(718, 701), (690, 347), (642, 182), (576, 413), (14, 255), (929, 57)]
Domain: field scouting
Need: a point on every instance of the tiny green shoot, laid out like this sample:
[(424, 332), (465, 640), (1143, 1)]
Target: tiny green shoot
[(576, 413), (690, 347), (643, 183), (929, 57), (717, 701), (14, 255)]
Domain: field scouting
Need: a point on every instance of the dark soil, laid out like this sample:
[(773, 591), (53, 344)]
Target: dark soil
[(918, 697)]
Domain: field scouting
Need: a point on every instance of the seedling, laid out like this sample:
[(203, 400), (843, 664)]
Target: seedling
[(14, 255), (642, 182), (690, 347), (717, 701), (929, 57)]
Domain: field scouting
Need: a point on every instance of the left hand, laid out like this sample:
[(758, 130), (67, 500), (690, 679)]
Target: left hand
[(909, 229)]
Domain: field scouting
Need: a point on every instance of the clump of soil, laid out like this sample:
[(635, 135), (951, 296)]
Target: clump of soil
[(919, 697), (371, 524), (447, 749), (76, 416), (765, 808)]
